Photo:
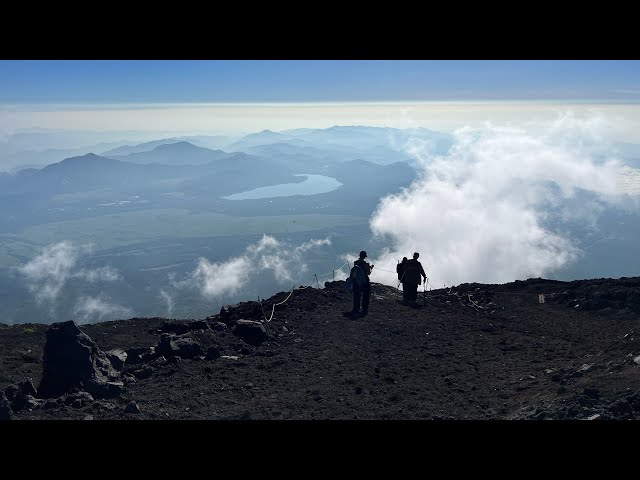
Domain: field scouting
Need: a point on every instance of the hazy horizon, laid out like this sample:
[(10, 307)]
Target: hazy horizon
[(153, 121)]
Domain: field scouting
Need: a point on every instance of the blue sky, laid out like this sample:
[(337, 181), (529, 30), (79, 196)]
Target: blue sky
[(168, 81)]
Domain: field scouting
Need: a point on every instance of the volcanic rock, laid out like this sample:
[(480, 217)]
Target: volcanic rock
[(72, 360), (250, 331)]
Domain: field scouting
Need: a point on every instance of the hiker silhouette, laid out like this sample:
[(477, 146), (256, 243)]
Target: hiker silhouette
[(361, 284), (411, 279), (400, 269)]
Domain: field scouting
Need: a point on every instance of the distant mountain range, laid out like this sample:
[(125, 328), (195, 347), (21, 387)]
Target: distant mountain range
[(178, 153), (377, 144), (180, 174)]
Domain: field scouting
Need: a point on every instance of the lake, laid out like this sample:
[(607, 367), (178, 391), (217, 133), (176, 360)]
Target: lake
[(313, 185)]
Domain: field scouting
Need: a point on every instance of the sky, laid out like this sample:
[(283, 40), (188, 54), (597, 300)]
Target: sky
[(186, 81)]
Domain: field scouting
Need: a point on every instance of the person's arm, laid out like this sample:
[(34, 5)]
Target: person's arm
[(424, 275)]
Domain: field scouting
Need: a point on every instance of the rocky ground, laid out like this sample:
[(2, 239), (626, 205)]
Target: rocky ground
[(473, 352)]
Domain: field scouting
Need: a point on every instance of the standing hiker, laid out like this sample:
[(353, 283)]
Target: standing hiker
[(412, 271), (361, 284), (400, 271)]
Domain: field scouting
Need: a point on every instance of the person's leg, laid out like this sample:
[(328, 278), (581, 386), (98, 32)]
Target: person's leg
[(413, 293), (356, 300), (366, 293)]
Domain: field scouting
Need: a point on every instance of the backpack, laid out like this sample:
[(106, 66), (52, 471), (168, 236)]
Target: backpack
[(357, 277), (400, 270), (412, 272)]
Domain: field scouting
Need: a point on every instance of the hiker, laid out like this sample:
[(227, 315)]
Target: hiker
[(363, 289), (412, 271), (400, 271)]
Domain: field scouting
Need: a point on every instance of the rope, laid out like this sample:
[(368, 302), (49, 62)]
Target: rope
[(382, 270), (332, 271), (273, 308), (471, 300)]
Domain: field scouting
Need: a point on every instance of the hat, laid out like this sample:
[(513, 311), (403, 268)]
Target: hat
[(363, 254), (416, 255)]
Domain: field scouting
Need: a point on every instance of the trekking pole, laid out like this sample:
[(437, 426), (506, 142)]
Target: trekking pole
[(317, 283), (333, 275)]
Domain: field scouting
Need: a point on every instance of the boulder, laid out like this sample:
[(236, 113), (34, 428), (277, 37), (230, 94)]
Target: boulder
[(218, 326), (250, 331), (182, 346), (132, 407), (20, 389), (26, 402), (137, 355), (117, 357), (160, 361), (73, 361), (81, 398)]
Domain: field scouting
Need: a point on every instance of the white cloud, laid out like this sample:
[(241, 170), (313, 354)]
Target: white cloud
[(215, 279), (48, 272), (285, 262), (278, 264), (95, 309), (265, 243), (481, 212), (312, 244)]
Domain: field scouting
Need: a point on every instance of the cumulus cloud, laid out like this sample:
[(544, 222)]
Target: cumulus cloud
[(483, 211), (94, 309), (215, 279), (48, 272), (284, 261)]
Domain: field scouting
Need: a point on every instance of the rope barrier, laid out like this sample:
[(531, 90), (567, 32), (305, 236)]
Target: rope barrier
[(273, 308), (333, 271), (383, 270)]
